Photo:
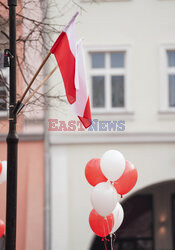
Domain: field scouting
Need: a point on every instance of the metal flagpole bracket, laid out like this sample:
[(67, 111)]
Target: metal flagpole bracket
[(7, 57), (12, 2)]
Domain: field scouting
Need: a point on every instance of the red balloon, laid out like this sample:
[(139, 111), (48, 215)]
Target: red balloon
[(128, 179), (2, 228), (0, 167), (93, 172), (101, 226)]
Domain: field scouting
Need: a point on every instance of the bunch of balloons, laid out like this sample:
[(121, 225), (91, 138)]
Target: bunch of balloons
[(112, 177), (2, 228), (3, 171)]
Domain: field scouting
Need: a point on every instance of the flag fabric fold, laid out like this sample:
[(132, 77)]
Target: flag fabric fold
[(64, 50), (70, 59), (81, 107)]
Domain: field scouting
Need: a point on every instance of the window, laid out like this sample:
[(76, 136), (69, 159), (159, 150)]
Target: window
[(167, 101), (3, 90), (171, 77), (108, 78)]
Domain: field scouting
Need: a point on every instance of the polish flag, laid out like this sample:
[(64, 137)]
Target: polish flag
[(70, 59), (64, 50), (81, 107)]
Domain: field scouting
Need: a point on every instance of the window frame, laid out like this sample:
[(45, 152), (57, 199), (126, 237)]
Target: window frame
[(164, 78), (5, 73), (106, 72)]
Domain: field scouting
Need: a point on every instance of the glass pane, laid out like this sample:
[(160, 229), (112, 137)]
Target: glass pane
[(172, 90), (138, 220), (117, 91), (98, 91), (171, 58), (2, 93), (144, 244), (3, 96), (2, 106), (98, 60), (117, 60)]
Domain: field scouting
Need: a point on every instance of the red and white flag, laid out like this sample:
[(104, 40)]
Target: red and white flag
[(64, 50), (70, 59), (81, 107)]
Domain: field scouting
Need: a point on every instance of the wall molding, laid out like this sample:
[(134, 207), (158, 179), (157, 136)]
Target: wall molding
[(58, 139), (25, 137)]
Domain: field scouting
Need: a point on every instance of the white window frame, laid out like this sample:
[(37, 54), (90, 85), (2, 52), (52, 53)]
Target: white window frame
[(5, 73), (164, 80), (107, 72)]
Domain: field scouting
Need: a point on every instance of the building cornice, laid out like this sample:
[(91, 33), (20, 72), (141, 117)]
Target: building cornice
[(25, 137), (89, 138)]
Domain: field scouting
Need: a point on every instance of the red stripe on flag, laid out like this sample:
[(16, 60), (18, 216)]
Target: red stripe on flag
[(86, 119), (66, 63)]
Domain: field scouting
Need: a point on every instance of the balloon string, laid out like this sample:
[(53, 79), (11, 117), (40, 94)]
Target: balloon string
[(111, 242), (114, 240), (107, 223), (105, 245)]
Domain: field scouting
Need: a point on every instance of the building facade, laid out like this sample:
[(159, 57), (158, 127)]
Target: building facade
[(130, 57), (30, 128)]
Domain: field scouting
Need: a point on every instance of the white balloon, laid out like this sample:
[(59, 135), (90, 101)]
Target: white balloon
[(118, 214), (3, 174), (104, 198), (112, 164)]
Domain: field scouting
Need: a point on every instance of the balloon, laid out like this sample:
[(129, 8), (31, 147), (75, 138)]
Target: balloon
[(112, 164), (0, 167), (2, 228), (93, 172), (104, 198), (128, 180), (101, 226), (3, 175), (118, 214)]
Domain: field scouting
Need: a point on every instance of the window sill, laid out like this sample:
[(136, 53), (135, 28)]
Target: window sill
[(167, 112), (3, 114), (112, 112)]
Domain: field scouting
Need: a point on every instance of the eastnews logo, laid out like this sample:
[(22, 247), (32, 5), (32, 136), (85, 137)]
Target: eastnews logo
[(97, 125)]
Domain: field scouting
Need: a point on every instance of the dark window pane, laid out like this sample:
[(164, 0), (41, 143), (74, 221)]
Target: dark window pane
[(98, 91), (172, 90), (3, 106), (3, 96), (171, 58), (144, 244), (98, 60), (117, 60), (138, 220), (117, 91)]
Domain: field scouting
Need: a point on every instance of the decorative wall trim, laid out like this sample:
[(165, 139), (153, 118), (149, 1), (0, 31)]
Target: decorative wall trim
[(25, 137), (112, 138)]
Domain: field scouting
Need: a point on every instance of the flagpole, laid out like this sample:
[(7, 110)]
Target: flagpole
[(12, 139), (31, 82), (34, 92)]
